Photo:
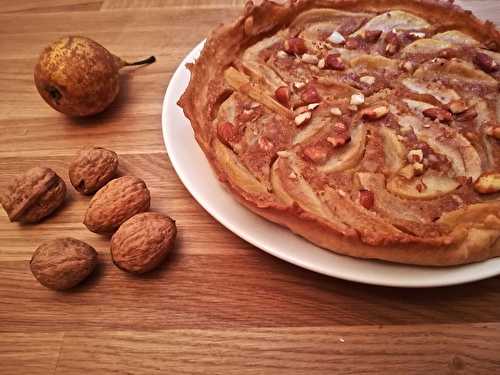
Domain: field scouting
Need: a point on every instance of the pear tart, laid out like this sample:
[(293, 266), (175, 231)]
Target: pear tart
[(370, 128)]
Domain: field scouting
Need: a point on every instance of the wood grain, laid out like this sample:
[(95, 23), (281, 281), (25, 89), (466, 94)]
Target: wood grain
[(218, 305)]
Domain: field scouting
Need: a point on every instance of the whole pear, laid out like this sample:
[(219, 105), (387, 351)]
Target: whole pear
[(78, 77)]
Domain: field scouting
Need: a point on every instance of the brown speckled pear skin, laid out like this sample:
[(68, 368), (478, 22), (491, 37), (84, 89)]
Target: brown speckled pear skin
[(117, 201), (33, 195), (92, 168), (63, 263), (77, 76), (143, 242)]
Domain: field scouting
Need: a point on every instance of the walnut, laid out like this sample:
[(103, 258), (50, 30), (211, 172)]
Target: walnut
[(34, 195), (92, 168), (116, 202), (143, 242), (63, 263)]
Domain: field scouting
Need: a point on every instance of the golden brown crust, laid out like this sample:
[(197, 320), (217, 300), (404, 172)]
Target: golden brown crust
[(469, 241)]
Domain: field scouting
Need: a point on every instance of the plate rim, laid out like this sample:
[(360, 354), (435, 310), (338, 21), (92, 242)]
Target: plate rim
[(171, 97)]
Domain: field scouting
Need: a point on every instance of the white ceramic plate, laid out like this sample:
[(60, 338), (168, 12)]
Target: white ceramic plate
[(196, 174)]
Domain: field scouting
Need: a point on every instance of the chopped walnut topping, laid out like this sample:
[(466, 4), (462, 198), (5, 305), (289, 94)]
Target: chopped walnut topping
[(371, 36), (336, 111), (493, 131), (416, 155), (369, 80), (302, 118), (340, 127), (321, 63), (338, 140), (336, 38), (468, 115), (488, 183), (408, 66), (485, 62), (309, 59), (310, 95), (357, 99), (292, 176), (438, 114), (457, 106), (295, 46), (313, 106), (299, 85), (282, 95), (366, 199), (282, 54), (375, 113), (342, 193), (417, 34), (334, 62), (418, 168)]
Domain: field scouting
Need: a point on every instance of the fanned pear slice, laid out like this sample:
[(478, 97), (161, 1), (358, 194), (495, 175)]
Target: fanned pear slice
[(453, 69), (395, 19), (456, 37), (240, 82), (425, 46), (257, 68), (393, 149), (439, 91), (429, 186), (347, 156)]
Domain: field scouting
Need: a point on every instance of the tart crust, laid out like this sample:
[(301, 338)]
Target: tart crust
[(471, 230)]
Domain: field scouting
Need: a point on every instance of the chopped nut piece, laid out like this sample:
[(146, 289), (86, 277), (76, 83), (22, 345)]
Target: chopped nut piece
[(310, 95), (372, 36), (439, 114), (357, 99), (416, 155), (375, 113), (336, 111), (338, 140), (334, 62), (418, 168), (407, 172), (282, 95), (295, 46), (421, 187), (369, 80), (353, 108), (457, 106), (342, 193), (302, 118), (340, 127), (321, 63), (292, 176), (282, 54), (468, 115), (309, 59), (352, 43), (493, 131), (417, 34), (299, 85), (488, 183), (300, 110), (336, 38), (408, 66), (485, 62), (312, 106), (366, 199), (392, 43), (227, 132), (283, 154)]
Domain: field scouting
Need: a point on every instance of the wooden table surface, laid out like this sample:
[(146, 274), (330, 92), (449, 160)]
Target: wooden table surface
[(218, 305)]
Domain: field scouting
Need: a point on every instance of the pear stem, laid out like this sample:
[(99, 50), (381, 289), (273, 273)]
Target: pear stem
[(149, 60)]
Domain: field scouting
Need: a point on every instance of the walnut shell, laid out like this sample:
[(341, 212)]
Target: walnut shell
[(117, 201), (143, 242), (92, 168), (33, 195), (63, 263)]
